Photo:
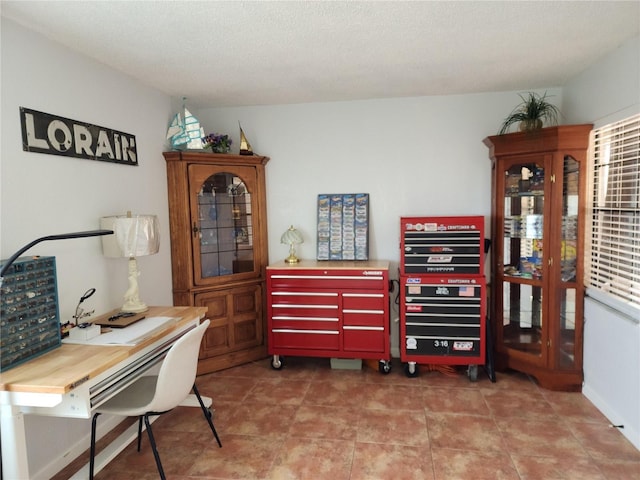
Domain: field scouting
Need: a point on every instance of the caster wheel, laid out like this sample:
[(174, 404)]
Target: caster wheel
[(472, 372), (384, 366), (411, 370), (277, 362)]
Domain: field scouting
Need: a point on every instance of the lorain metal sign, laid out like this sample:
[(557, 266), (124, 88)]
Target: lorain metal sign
[(46, 133)]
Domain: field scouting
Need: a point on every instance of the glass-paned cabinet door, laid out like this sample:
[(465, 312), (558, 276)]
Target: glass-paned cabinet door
[(567, 341), (223, 232), (523, 207)]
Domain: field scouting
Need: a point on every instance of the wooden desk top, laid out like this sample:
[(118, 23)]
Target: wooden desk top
[(62, 369)]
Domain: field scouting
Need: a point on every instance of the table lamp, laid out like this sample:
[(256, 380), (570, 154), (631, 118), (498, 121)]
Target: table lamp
[(134, 236), (292, 238)]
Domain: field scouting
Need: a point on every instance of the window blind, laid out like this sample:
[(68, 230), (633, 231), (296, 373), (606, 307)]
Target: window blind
[(613, 238)]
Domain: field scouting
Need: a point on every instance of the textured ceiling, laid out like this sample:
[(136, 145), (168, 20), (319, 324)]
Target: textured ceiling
[(257, 53)]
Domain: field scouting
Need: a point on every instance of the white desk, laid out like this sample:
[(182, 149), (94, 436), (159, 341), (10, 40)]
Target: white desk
[(73, 380)]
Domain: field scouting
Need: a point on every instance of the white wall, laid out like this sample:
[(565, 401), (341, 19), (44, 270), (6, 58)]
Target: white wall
[(414, 156), (607, 92), (47, 194)]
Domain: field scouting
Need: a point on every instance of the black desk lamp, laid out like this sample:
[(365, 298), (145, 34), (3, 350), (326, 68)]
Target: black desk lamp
[(63, 236)]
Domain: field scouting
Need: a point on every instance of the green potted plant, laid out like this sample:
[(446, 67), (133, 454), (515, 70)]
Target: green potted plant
[(532, 113)]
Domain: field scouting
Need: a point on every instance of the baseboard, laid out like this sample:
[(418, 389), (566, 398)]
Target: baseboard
[(608, 411)]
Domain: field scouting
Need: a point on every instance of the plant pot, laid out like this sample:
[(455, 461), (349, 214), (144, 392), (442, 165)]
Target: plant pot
[(529, 125)]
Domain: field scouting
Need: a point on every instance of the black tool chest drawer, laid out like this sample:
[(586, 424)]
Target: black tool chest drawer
[(442, 245)]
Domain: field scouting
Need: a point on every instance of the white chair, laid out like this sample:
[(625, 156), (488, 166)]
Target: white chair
[(155, 395)]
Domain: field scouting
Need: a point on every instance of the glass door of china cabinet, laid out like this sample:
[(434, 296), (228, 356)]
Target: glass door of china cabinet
[(523, 202), (565, 341), (222, 222), (541, 307)]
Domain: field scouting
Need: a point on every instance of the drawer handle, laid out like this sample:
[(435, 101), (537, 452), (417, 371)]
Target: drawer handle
[(314, 332), (368, 312), (326, 277), (353, 327), (312, 319), (322, 307)]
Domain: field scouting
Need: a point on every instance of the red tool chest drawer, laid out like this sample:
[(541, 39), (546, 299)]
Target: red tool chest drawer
[(329, 279), (334, 309)]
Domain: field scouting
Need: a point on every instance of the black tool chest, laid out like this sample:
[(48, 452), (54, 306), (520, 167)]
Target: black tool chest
[(442, 292)]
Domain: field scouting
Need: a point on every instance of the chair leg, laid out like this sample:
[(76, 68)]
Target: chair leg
[(139, 431), (207, 414), (153, 446), (93, 445)]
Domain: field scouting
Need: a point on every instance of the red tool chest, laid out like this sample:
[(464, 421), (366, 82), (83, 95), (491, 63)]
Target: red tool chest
[(442, 292), (336, 309)]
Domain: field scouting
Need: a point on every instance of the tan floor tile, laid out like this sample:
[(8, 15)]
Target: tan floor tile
[(573, 406), (512, 403), (279, 391), (619, 469), (310, 459), (393, 397), (225, 388), (241, 458), (604, 442), (464, 432), (251, 418), (539, 437), (177, 451), (472, 465), (372, 461), (454, 400), (320, 421), (401, 427), (554, 468), (338, 393)]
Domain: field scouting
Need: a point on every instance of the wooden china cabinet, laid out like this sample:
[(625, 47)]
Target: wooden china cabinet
[(218, 224), (538, 219)]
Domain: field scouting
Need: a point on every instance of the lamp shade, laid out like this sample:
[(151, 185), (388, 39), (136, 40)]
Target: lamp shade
[(291, 237), (134, 235)]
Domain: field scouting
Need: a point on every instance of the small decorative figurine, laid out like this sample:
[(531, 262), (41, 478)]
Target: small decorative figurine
[(245, 146), (185, 132)]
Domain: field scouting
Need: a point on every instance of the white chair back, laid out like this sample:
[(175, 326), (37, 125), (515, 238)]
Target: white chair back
[(178, 371)]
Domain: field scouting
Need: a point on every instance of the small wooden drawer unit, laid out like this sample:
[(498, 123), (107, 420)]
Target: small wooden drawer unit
[(336, 309)]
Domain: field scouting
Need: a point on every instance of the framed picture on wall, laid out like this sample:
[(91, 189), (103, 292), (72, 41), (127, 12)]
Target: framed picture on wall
[(343, 226)]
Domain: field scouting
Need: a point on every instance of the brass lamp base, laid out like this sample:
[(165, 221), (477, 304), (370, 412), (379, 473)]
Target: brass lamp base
[(291, 259)]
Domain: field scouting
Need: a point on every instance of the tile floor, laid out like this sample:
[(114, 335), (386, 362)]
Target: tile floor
[(310, 422)]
